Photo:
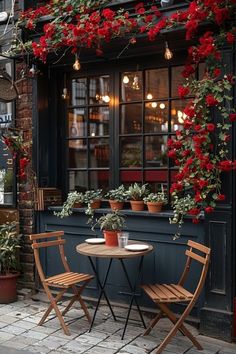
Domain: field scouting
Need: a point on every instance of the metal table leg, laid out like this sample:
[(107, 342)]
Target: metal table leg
[(102, 290), (133, 293)]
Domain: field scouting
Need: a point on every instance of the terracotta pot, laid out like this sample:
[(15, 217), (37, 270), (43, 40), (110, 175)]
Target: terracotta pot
[(95, 204), (116, 205), (154, 207), (137, 205), (111, 238), (77, 205), (8, 288)]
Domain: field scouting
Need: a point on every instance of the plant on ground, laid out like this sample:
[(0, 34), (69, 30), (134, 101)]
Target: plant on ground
[(9, 245)]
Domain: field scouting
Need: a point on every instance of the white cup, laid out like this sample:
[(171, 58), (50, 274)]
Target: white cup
[(123, 238)]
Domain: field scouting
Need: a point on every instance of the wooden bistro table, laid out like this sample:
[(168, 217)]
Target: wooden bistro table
[(111, 253)]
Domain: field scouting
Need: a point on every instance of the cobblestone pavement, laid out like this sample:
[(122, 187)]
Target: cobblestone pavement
[(19, 333)]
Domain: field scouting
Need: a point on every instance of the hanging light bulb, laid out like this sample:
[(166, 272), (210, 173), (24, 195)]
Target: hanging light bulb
[(125, 79), (76, 65), (64, 93), (135, 83), (149, 96), (168, 53), (162, 106), (154, 104), (106, 98)]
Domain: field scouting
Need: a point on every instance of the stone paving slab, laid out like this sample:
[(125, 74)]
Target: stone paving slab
[(20, 334)]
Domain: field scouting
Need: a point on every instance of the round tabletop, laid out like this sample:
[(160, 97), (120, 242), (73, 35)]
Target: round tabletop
[(103, 251)]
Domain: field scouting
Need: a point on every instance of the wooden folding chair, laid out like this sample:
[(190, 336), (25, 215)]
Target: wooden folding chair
[(165, 294), (62, 281)]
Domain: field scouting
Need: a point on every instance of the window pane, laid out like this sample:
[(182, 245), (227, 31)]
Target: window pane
[(177, 114), (99, 121), (155, 151), (6, 180), (131, 152), (128, 177), (157, 84), (99, 179), (156, 179), (131, 86), (99, 90), (77, 125), (78, 180), (131, 119), (77, 153), (78, 91), (156, 117), (177, 79), (99, 153)]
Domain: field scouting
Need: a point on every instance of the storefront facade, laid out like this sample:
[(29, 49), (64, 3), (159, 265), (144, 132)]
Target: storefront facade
[(108, 124)]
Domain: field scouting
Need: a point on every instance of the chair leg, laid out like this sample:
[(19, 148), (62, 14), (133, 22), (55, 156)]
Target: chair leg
[(178, 326), (153, 323), (77, 296), (54, 306)]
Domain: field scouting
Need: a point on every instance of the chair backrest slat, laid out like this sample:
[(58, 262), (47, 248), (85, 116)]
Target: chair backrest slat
[(43, 240), (196, 257), (48, 243), (199, 247), (46, 235)]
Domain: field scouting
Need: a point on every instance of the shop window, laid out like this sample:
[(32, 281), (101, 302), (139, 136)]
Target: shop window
[(88, 118), (122, 138), (6, 160)]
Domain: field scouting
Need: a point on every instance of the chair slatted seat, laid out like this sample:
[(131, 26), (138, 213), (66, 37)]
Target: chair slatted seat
[(62, 281), (165, 294)]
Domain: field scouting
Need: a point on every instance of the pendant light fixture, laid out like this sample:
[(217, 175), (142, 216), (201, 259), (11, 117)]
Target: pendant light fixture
[(76, 65), (168, 53)]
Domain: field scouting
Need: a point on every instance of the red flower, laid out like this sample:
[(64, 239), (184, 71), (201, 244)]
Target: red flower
[(211, 100), (195, 221), (188, 70), (108, 14), (210, 127), (232, 117), (230, 38), (221, 15), (216, 72), (209, 209), (183, 91), (194, 211), (221, 197), (172, 154)]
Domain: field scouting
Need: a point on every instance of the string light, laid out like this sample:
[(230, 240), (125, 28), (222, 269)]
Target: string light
[(76, 65), (168, 53), (149, 96), (135, 83), (125, 79)]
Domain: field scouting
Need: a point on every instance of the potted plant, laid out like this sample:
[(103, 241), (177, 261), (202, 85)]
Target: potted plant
[(136, 193), (74, 200), (155, 201), (93, 200), (9, 246), (117, 197), (111, 224)]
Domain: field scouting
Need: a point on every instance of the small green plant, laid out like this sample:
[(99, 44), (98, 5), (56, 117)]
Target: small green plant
[(137, 192), (118, 194), (156, 197), (67, 208), (111, 221), (89, 197), (9, 245)]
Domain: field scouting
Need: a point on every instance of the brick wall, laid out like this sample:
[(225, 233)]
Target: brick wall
[(25, 194)]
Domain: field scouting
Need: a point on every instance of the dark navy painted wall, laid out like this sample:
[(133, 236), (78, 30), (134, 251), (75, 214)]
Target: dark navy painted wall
[(164, 264)]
